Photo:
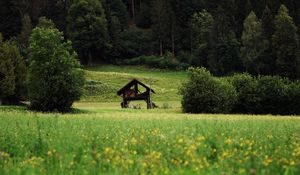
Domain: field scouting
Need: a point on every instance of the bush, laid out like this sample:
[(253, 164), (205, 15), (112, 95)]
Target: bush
[(205, 94), (247, 95), (272, 91), (293, 98), (55, 79), (13, 68), (155, 62)]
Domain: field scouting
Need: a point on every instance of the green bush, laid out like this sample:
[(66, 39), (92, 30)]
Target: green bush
[(55, 79), (13, 68), (155, 62), (293, 98), (205, 94), (247, 95), (272, 91)]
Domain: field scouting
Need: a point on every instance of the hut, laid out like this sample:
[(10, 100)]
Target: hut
[(132, 92)]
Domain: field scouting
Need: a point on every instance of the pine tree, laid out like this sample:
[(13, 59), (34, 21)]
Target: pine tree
[(163, 24), (87, 28), (285, 43), (10, 19), (201, 36), (13, 67), (253, 44)]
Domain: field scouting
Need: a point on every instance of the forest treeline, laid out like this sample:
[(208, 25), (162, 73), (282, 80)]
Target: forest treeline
[(255, 36)]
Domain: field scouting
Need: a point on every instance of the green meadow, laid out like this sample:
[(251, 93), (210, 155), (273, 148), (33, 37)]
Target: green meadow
[(101, 138)]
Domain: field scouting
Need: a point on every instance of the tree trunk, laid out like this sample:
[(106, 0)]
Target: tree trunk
[(161, 47), (133, 10), (90, 58), (173, 41)]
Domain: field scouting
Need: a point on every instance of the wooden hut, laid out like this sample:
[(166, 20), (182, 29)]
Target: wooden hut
[(132, 92)]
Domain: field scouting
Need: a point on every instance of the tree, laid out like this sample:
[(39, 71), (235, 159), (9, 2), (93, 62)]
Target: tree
[(225, 58), (55, 79), (87, 29), (12, 66), (162, 18), (285, 43), (10, 19), (45, 23), (117, 22), (253, 44), (201, 35), (267, 65)]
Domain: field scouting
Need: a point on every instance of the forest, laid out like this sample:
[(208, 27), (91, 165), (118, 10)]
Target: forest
[(259, 37)]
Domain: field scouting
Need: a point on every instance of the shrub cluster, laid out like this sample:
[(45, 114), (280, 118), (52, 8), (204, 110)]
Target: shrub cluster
[(165, 62), (204, 93), (240, 93)]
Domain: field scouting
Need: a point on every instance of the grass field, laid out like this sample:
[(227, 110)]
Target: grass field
[(101, 138), (165, 83)]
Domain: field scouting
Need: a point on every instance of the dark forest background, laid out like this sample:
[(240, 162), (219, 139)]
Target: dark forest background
[(228, 36)]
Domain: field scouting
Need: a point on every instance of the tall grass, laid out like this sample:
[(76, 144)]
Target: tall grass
[(103, 141)]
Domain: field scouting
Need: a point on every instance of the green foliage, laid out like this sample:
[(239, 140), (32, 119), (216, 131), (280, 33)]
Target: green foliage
[(144, 16), (272, 94), (225, 57), (203, 93), (165, 62), (253, 43), (87, 29), (285, 43), (10, 19), (55, 79), (201, 37), (135, 42), (247, 97), (45, 23), (13, 67)]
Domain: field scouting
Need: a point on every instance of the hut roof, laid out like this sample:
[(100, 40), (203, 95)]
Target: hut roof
[(131, 83)]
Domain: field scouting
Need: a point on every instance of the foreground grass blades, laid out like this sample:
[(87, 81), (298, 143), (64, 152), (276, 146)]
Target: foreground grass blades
[(104, 140)]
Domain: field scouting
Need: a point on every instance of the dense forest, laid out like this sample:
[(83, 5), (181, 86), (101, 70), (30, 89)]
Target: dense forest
[(256, 36)]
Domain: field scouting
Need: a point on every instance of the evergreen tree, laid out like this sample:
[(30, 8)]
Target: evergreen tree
[(87, 28), (267, 65), (253, 44), (163, 24), (267, 23), (225, 57), (26, 30), (285, 43), (12, 66), (201, 36), (10, 19)]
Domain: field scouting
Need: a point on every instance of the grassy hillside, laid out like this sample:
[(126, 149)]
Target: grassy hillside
[(107, 80)]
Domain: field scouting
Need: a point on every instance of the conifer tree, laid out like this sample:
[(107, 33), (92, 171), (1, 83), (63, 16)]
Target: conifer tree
[(253, 43), (87, 29), (201, 35), (285, 43)]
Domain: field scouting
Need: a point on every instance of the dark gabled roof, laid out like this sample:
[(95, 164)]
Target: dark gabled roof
[(131, 83), (2, 76)]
